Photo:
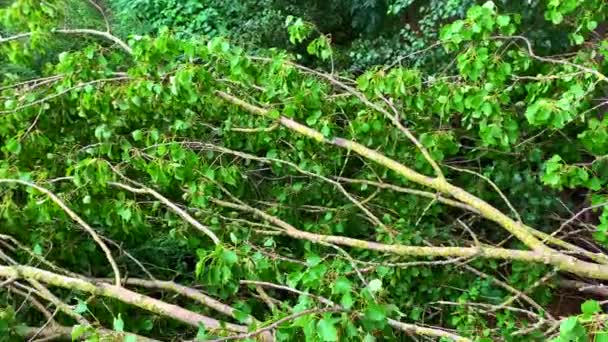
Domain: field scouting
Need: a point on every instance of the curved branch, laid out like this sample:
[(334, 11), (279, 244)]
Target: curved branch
[(393, 118), (530, 51), (76, 218), (405, 327), (181, 213), (105, 35)]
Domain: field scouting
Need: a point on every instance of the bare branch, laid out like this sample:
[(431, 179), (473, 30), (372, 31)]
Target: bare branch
[(598, 74), (102, 34)]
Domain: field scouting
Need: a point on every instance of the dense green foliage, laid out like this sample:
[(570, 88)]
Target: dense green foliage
[(151, 143), (363, 32)]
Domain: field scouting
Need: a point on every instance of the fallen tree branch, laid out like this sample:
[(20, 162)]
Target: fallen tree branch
[(405, 327), (559, 260), (276, 324), (119, 293), (186, 292), (439, 183), (53, 332)]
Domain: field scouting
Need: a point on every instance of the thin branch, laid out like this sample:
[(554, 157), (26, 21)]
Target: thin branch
[(287, 288), (103, 14), (276, 324), (494, 186), (405, 327), (74, 217), (61, 332), (63, 92), (105, 35), (516, 292), (410, 191), (339, 186), (35, 303), (181, 213), (576, 216), (424, 331), (598, 74), (394, 119)]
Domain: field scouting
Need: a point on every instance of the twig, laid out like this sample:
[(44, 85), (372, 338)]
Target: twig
[(394, 119), (494, 186), (103, 14), (276, 324), (576, 216), (35, 303), (410, 191), (509, 288), (598, 74), (60, 332), (287, 288), (186, 292), (265, 297), (63, 92), (339, 186)]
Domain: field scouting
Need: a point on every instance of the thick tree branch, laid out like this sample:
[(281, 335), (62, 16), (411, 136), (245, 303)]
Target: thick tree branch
[(439, 184), (559, 260), (119, 293)]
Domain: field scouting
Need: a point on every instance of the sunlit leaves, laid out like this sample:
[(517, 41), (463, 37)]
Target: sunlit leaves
[(298, 29), (327, 329)]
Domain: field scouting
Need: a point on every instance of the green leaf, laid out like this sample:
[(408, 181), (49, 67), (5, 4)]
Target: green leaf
[(125, 213), (601, 336), (375, 312), (10, 104), (130, 338), (13, 146), (118, 324), (342, 285), (229, 257), (326, 329), (81, 307), (78, 331), (503, 20), (347, 300), (37, 249), (201, 334), (137, 135), (375, 285), (591, 307), (568, 325)]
